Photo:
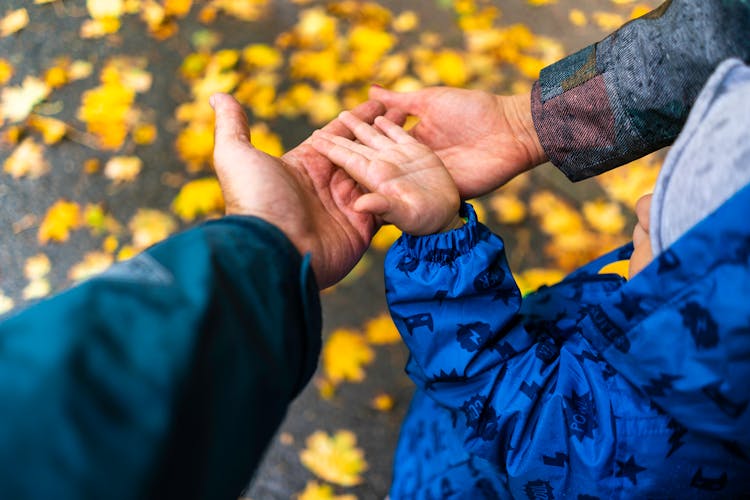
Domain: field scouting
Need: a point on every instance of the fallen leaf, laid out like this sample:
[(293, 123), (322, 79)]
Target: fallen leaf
[(52, 129), (531, 279), (37, 266), (6, 71), (385, 237), (605, 217), (200, 197), (150, 226), (336, 458), (381, 330), (382, 402), (93, 263), (317, 491), (577, 18), (14, 21), (6, 303), (123, 168), (344, 356), (508, 208), (17, 102), (26, 160), (62, 217), (36, 289)]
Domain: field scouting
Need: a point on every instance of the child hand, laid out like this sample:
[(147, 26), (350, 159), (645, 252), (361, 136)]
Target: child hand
[(408, 184)]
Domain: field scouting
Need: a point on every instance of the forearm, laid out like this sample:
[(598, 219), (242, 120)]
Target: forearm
[(166, 376), (453, 299), (630, 94)]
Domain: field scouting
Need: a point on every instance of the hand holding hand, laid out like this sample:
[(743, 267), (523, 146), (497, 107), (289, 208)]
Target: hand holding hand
[(408, 184), (483, 139), (302, 193)]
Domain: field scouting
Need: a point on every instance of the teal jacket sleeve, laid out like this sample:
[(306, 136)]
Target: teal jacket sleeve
[(164, 377), (630, 94)]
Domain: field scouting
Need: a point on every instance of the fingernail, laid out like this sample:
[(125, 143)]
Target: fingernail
[(377, 85), (212, 100)]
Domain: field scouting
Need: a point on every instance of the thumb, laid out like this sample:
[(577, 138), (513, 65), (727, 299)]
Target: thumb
[(410, 102), (231, 131)]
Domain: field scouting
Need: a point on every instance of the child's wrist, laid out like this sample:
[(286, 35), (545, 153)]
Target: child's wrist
[(455, 223)]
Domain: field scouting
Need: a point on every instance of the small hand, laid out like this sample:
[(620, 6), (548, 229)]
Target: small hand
[(302, 193), (483, 139), (408, 184)]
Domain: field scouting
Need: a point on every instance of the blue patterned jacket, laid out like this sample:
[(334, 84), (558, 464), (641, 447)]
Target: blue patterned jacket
[(596, 387)]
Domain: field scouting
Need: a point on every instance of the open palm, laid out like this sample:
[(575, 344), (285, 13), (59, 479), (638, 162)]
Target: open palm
[(302, 193), (484, 140), (407, 183)]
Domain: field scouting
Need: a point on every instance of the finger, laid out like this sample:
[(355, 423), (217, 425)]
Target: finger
[(353, 146), (367, 111), (373, 203), (643, 211), (365, 132), (410, 102), (397, 116), (231, 135), (393, 131), (354, 164)]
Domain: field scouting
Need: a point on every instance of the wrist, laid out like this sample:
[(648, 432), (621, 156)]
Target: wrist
[(455, 223), (521, 122)]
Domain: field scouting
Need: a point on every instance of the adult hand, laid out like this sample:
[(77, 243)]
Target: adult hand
[(302, 193), (484, 139)]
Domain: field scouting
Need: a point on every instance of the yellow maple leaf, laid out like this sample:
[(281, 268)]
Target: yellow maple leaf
[(385, 237), (150, 226), (531, 279), (78, 70), (98, 28), (62, 217), (26, 160), (52, 129), (537, 3), (556, 216), (106, 110), (577, 17), (628, 183), (265, 140), (98, 221), (620, 267), (99, 9), (244, 10), (640, 10), (197, 198), (336, 458), (195, 144), (14, 21), (605, 217), (6, 303), (123, 168), (383, 402), (315, 28), (345, 354), (381, 330), (264, 56), (607, 21), (6, 71), (508, 208), (407, 21), (17, 102), (37, 266), (317, 491), (144, 133), (36, 289), (93, 263)]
